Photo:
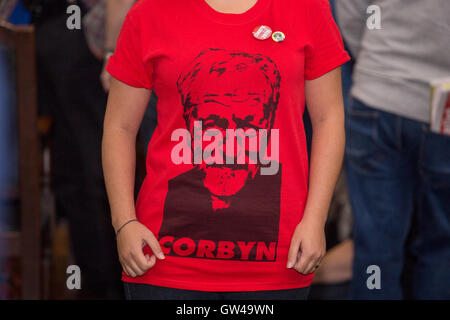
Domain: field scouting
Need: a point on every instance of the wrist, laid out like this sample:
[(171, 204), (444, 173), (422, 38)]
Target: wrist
[(118, 222), (125, 224), (315, 221)]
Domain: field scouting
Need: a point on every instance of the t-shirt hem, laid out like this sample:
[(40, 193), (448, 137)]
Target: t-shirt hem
[(220, 287), (382, 93), (328, 66)]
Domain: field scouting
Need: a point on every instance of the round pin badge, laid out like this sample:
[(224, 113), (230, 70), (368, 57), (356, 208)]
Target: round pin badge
[(262, 32), (278, 36)]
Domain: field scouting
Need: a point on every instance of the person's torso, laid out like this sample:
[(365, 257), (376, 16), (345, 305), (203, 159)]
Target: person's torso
[(405, 55), (221, 223)]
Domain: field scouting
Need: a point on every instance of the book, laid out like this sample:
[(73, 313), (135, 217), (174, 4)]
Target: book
[(440, 106)]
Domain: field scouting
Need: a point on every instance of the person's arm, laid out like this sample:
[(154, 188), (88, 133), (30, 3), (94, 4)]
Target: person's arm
[(336, 266), (351, 18), (326, 110), (116, 10), (124, 112)]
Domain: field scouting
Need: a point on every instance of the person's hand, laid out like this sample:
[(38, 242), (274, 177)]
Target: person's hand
[(307, 247), (130, 241)]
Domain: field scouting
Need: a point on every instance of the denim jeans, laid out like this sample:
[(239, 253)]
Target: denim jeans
[(398, 178), (140, 291)]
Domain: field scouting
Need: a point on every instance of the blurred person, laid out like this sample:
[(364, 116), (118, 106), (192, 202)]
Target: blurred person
[(332, 278), (116, 11), (11, 11), (396, 167), (347, 68), (234, 77), (14, 12), (8, 166), (71, 93)]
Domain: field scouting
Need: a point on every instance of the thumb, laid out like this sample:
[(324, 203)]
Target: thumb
[(150, 260), (151, 241), (293, 253)]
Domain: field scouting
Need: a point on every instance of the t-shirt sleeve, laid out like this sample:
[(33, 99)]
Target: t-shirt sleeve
[(326, 49), (127, 63)]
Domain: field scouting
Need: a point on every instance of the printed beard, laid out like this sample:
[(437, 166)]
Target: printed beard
[(225, 181)]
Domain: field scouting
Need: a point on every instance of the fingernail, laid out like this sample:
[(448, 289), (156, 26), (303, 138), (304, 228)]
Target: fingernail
[(161, 255), (289, 265)]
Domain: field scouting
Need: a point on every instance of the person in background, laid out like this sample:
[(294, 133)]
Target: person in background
[(71, 93), (13, 12), (396, 167), (116, 11)]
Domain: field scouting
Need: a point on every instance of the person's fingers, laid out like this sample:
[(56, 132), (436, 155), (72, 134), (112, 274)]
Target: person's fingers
[(311, 266), (316, 267), (293, 253), (309, 263), (134, 266), (151, 260), (150, 239), (303, 263), (143, 261), (133, 269), (317, 263), (128, 271)]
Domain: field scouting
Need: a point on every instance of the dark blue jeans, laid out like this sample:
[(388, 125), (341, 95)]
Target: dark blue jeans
[(140, 291), (398, 177)]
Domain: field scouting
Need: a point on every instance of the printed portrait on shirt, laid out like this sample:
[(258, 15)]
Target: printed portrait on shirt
[(228, 205)]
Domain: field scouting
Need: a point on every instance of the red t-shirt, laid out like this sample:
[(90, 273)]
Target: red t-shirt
[(227, 166)]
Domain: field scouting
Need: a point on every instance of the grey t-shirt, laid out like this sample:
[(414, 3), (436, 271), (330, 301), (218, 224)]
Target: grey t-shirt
[(396, 63)]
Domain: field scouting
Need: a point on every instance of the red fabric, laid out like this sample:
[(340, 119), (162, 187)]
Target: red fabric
[(225, 227)]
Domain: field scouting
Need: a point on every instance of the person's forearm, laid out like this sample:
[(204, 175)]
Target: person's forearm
[(327, 152), (336, 266), (119, 163), (116, 11)]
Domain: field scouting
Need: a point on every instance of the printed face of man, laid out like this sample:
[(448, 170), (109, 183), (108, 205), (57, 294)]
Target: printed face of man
[(235, 101)]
